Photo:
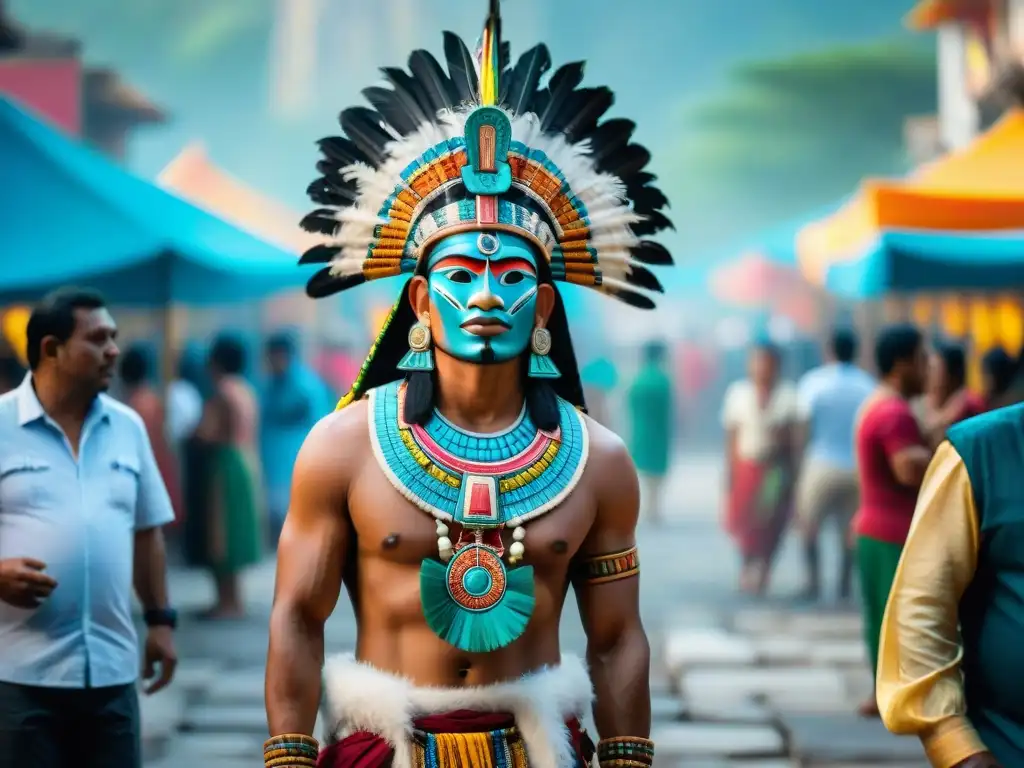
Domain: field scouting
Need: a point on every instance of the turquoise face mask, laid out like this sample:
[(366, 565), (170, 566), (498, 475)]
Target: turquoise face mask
[(484, 288)]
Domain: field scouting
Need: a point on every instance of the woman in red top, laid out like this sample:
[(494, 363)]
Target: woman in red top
[(891, 461)]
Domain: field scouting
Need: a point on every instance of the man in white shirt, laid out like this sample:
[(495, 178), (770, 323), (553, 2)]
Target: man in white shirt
[(829, 398), (82, 505)]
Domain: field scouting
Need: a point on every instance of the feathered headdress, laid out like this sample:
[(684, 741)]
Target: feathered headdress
[(485, 145)]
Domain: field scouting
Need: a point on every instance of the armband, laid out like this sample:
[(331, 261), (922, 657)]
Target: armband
[(605, 568), (291, 750), (625, 752)]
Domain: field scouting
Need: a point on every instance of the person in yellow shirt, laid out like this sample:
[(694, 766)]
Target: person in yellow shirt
[(951, 659)]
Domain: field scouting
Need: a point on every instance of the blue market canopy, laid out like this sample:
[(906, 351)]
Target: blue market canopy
[(908, 262), (69, 215)]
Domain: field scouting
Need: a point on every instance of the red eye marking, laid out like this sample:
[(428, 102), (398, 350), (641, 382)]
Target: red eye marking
[(498, 268), (476, 266)]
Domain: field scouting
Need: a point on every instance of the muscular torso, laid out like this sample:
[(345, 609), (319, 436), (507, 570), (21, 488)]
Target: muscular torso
[(389, 539)]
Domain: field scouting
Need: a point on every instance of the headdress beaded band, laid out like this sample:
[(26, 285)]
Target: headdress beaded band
[(604, 568), (291, 750), (625, 752)]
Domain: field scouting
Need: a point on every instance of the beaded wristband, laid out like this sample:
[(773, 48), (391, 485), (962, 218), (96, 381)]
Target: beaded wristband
[(625, 752), (291, 750)]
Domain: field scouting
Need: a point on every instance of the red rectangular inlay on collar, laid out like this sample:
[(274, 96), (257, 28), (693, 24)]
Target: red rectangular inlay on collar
[(480, 500), (486, 209)]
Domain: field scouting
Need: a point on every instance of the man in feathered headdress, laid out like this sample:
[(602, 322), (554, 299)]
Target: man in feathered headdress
[(460, 488)]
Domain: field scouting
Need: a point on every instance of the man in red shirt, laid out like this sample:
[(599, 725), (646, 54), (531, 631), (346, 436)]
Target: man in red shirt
[(891, 461)]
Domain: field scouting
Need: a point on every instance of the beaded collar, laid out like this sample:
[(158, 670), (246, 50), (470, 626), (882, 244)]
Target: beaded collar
[(481, 483)]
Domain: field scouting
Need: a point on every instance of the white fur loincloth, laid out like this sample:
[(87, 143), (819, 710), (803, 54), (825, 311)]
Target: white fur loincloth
[(362, 698)]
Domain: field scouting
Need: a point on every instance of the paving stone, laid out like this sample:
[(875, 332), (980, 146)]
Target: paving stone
[(813, 624), (218, 745), (717, 740), (846, 653), (162, 713), (692, 617), (859, 684), (759, 621), (746, 712), (243, 686), (828, 740), (782, 649), (194, 676), (666, 707), (706, 648), (227, 719), (841, 626), (792, 689)]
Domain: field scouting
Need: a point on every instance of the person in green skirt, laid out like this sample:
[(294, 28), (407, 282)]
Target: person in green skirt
[(233, 507), (891, 460)]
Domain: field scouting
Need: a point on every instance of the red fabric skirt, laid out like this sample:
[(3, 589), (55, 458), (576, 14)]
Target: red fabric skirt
[(755, 522), (368, 750)]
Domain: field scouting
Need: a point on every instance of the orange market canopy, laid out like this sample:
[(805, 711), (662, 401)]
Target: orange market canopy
[(929, 14), (193, 176), (978, 188)]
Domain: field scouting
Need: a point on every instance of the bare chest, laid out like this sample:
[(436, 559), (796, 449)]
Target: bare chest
[(392, 528)]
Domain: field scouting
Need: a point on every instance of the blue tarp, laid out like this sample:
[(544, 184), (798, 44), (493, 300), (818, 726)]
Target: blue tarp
[(909, 261), (69, 215)]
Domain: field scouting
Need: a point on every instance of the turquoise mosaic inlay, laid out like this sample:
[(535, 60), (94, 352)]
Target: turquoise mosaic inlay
[(429, 481)]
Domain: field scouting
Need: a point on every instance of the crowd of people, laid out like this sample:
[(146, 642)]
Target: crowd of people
[(89, 483), (847, 446)]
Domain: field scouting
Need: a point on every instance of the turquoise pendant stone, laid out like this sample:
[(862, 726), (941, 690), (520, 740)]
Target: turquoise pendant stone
[(477, 582)]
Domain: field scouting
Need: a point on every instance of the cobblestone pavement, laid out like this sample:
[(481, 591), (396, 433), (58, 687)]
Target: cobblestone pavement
[(768, 685)]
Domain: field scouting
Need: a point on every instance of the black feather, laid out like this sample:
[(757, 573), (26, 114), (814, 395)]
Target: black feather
[(561, 85), (362, 126), (405, 84), (644, 278), (628, 161), (324, 284), (321, 222), (461, 68), (610, 137), (341, 151), (589, 106), (435, 86), (396, 111), (324, 191), (646, 198), (633, 298), (319, 254), (526, 76), (650, 252), (655, 222)]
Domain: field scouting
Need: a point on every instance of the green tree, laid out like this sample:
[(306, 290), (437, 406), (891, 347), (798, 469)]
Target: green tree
[(788, 136)]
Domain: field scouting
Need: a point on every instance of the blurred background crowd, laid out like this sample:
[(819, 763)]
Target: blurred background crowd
[(834, 169)]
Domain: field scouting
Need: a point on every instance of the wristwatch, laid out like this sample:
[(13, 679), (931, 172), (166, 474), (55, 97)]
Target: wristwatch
[(161, 617)]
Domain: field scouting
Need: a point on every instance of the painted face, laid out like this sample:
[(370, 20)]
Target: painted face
[(483, 287)]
